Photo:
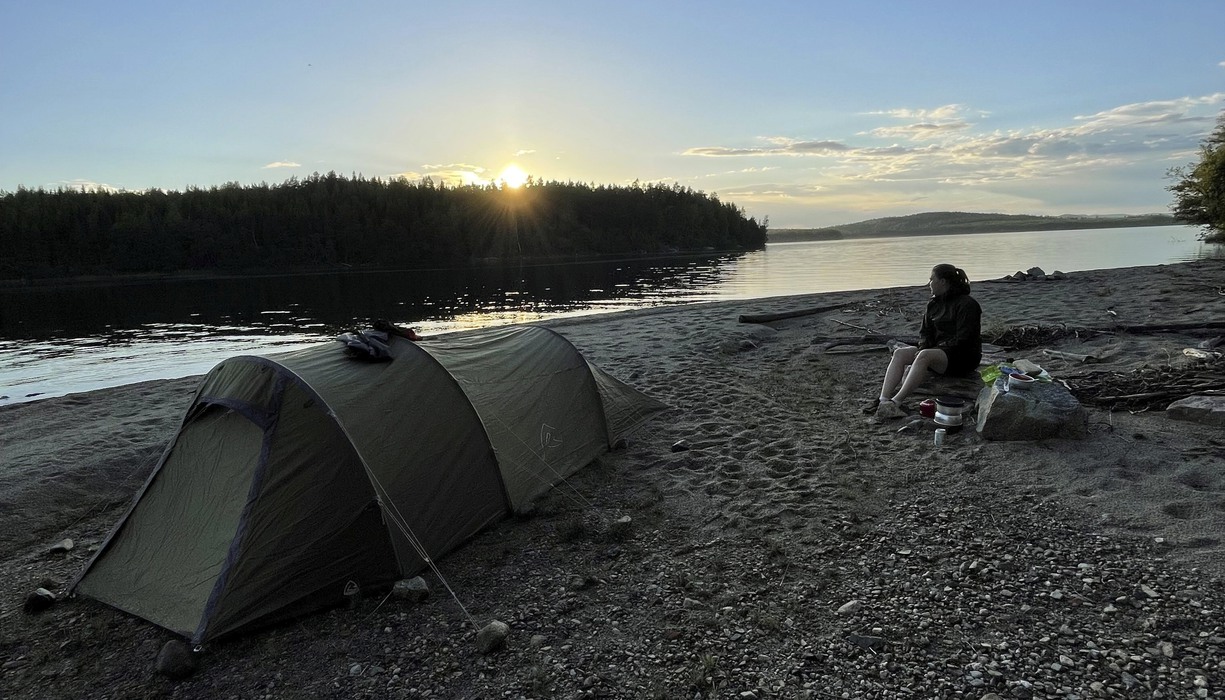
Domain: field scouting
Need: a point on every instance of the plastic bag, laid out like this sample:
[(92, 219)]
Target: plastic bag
[(990, 374)]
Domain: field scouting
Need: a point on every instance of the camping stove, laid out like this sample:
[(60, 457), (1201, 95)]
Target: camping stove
[(948, 413)]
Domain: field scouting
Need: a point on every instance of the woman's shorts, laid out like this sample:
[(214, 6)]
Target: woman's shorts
[(962, 361)]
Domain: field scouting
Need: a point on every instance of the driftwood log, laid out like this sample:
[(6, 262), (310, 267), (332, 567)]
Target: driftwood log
[(783, 315), (1074, 357), (874, 339)]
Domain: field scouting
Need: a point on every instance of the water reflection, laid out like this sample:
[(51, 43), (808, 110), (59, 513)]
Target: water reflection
[(65, 339), (323, 303)]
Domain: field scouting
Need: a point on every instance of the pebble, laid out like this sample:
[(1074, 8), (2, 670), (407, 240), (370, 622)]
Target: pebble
[(850, 607)]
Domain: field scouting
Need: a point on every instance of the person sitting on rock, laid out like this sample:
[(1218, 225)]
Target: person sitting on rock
[(949, 341)]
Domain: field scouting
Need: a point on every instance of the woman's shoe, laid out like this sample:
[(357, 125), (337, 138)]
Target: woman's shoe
[(889, 409)]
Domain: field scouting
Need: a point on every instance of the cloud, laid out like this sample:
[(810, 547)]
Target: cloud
[(894, 150), (925, 124), (1154, 113), (721, 151), (947, 112), (453, 174), (524, 152), (779, 146), (453, 166), (920, 130), (941, 159), (282, 164), (954, 152), (805, 147), (935, 124), (86, 186)]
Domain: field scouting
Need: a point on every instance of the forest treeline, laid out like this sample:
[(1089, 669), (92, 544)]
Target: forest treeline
[(329, 220)]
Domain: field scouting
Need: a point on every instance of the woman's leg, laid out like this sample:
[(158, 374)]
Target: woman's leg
[(924, 360), (902, 357)]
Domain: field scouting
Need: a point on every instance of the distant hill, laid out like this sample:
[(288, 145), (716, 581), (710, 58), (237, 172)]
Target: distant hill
[(944, 222)]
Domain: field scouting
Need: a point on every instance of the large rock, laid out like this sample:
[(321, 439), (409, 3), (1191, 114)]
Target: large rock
[(492, 637), (1045, 410), (413, 590), (1209, 410)]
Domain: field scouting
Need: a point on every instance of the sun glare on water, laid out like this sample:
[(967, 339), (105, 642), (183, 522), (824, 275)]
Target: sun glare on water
[(513, 176)]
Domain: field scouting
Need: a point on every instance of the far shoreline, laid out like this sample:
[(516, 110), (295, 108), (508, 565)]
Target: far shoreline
[(805, 235)]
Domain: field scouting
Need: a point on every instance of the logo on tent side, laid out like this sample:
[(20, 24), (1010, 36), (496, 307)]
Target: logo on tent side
[(546, 437)]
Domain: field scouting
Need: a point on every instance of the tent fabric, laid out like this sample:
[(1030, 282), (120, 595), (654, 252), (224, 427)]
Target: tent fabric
[(296, 477)]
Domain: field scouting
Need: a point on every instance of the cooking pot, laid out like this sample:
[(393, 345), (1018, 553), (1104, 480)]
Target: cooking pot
[(950, 405)]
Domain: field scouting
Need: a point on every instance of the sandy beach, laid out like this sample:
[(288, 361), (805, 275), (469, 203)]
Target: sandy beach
[(796, 548)]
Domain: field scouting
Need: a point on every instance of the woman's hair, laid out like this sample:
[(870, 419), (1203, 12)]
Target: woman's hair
[(955, 276)]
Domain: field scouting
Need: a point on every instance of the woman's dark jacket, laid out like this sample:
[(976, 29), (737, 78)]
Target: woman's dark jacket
[(952, 323)]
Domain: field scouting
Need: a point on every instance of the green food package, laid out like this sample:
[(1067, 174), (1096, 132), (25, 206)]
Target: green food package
[(990, 374)]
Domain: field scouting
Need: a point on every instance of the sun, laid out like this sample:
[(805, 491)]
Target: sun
[(513, 176)]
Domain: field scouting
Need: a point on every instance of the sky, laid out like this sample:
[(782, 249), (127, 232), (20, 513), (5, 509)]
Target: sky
[(808, 113)]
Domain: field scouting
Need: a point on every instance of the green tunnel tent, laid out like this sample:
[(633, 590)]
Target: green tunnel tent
[(296, 475)]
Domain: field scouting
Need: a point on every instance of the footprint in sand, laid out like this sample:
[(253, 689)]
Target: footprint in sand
[(1195, 479), (845, 457), (780, 468), (1201, 542), (790, 494), (741, 439), (1180, 510), (766, 452)]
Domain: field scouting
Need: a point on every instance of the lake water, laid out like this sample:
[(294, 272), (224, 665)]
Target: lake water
[(61, 340)]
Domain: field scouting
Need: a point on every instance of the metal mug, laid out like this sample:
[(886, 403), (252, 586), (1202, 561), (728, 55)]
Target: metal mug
[(927, 408)]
